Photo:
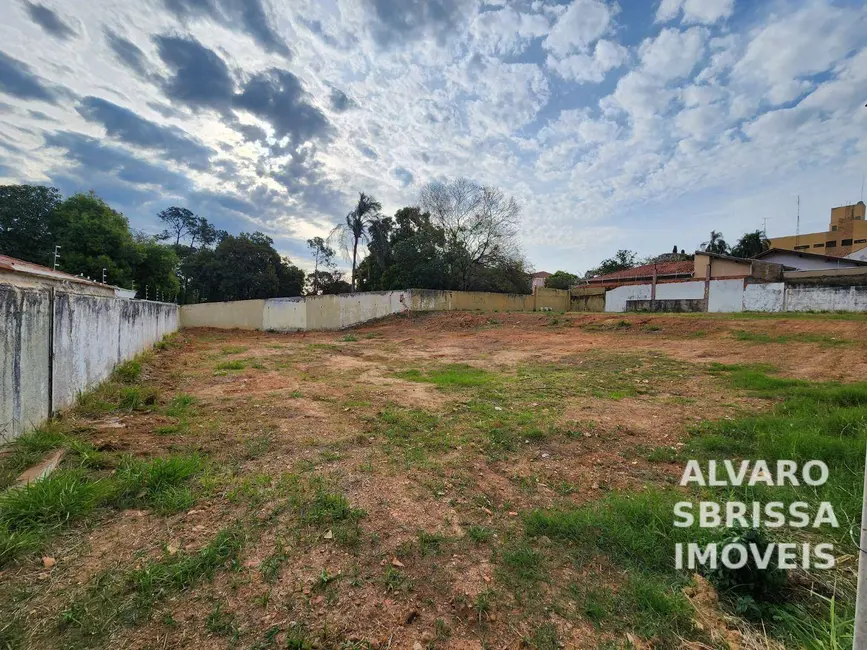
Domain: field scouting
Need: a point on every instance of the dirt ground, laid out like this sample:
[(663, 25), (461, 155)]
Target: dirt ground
[(585, 399)]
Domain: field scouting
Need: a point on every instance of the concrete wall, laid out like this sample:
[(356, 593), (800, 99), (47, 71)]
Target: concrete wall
[(553, 299), (281, 314), (764, 297), (24, 359), (240, 314), (826, 298), (720, 268), (680, 291), (615, 299), (725, 296), (346, 310), (90, 336)]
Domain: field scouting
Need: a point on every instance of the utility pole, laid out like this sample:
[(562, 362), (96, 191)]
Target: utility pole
[(798, 223), (56, 256)]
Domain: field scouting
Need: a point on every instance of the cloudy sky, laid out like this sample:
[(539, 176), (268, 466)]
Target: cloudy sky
[(634, 124)]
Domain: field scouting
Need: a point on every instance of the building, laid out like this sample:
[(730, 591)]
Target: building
[(846, 234), (662, 271), (538, 279), (801, 260), (19, 273)]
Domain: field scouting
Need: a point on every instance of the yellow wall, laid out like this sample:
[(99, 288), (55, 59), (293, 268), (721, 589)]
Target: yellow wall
[(719, 268), (240, 314)]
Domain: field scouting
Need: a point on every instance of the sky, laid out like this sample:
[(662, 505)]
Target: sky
[(635, 124)]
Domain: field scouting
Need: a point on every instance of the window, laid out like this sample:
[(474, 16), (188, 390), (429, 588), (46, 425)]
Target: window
[(846, 242), (818, 245), (833, 228), (861, 241), (802, 248), (831, 244)]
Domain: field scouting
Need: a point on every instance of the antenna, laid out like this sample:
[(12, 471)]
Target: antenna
[(862, 186), (798, 223), (765, 226)]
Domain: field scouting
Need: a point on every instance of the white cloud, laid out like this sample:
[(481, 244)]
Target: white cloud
[(673, 54), (695, 11), (579, 26), (581, 68), (507, 31)]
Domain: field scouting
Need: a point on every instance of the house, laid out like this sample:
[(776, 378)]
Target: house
[(538, 279), (662, 271), (808, 261), (19, 273), (846, 234)]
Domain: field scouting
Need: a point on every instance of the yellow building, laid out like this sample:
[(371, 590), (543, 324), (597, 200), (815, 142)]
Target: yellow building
[(846, 234)]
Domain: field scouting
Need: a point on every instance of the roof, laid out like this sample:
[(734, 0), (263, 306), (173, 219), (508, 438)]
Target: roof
[(20, 266), (830, 258), (541, 274), (646, 271), (721, 256)]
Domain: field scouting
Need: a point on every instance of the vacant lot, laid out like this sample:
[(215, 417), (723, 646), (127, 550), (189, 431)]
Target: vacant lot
[(451, 481)]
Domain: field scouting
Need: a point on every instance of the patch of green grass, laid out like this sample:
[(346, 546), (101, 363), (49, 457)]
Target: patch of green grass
[(28, 449), (521, 566), (234, 349), (430, 543), (449, 376), (396, 581), (544, 638), (270, 567), (480, 534), (128, 598), (234, 364), (349, 338), (180, 406), (128, 372), (221, 622), (50, 503), (800, 337), (159, 483)]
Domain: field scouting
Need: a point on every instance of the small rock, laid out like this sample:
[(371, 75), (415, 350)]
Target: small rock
[(48, 562), (417, 646), (513, 514), (546, 455), (397, 563), (171, 550), (328, 534)]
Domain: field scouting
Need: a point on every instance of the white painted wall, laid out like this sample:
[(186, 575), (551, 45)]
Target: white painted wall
[(806, 262), (764, 297), (285, 314), (810, 298), (725, 296), (680, 291), (348, 309), (615, 299), (237, 314)]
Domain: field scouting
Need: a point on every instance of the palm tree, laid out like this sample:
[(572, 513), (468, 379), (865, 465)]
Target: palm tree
[(716, 244), (357, 228)]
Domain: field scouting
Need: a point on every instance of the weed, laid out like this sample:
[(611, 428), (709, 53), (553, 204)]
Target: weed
[(234, 364), (449, 376), (522, 565), (545, 638), (220, 622), (349, 338), (430, 543), (396, 581), (270, 566), (158, 483), (49, 503), (234, 349), (128, 372), (480, 534)]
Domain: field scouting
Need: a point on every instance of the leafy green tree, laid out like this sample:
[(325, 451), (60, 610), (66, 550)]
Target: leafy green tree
[(25, 222), (751, 244), (155, 268), (716, 244), (323, 255), (331, 283), (94, 237), (357, 228), (561, 280), (180, 223), (622, 260)]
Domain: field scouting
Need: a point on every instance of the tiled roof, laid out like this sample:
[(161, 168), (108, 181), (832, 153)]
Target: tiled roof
[(646, 271), (20, 266), (541, 274)]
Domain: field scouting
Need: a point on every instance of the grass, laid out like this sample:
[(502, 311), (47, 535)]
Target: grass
[(449, 376), (159, 483), (129, 598), (234, 364), (801, 337)]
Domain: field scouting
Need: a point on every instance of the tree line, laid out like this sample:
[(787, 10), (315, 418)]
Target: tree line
[(190, 261), (749, 245)]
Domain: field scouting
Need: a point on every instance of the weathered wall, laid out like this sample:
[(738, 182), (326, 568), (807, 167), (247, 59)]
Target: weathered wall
[(680, 291), (725, 296), (240, 314), (719, 268), (826, 298), (764, 297), (23, 360), (553, 299), (94, 334), (669, 305), (346, 310), (484, 301), (90, 336), (587, 299), (284, 314), (806, 262), (615, 299)]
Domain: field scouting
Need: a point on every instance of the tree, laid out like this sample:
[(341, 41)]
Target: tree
[(479, 224), (622, 260), (94, 237), (356, 228), (25, 221), (751, 244), (323, 255), (180, 223), (561, 280), (716, 244), (155, 268), (331, 283)]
